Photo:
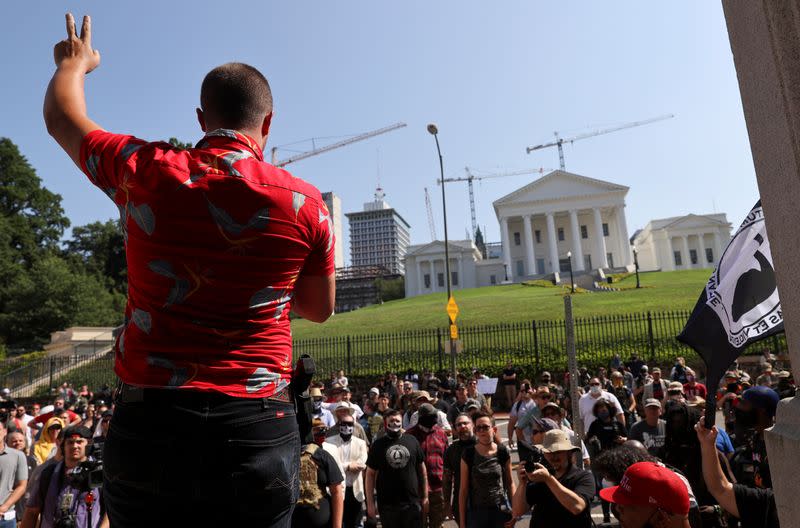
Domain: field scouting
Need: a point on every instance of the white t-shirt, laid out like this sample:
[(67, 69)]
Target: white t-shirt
[(586, 404)]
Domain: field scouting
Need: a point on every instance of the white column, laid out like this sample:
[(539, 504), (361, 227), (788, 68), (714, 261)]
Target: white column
[(506, 248), (420, 278), (717, 247), (530, 255), (577, 250), (600, 243), (460, 273), (622, 224), (686, 261), (552, 242), (670, 264)]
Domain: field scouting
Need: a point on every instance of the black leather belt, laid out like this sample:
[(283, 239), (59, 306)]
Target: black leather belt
[(126, 393)]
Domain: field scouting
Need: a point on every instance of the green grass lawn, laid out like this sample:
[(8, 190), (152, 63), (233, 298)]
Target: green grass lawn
[(661, 291)]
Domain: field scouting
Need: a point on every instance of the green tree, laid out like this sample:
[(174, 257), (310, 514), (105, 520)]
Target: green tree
[(175, 142), (99, 249), (51, 297), (391, 289), (33, 217)]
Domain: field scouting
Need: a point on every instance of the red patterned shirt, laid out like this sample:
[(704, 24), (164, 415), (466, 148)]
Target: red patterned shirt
[(433, 444), (215, 240)]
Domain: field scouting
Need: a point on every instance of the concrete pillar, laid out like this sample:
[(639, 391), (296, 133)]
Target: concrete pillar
[(460, 273), (600, 242), (625, 243), (764, 39), (577, 250), (420, 278), (506, 248), (530, 254), (669, 265), (685, 260), (718, 249), (552, 242)]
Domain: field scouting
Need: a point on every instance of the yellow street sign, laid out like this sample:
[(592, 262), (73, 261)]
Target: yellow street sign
[(452, 309), (453, 332)]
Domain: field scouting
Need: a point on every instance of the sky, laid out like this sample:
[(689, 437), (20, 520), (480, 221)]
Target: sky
[(495, 77)]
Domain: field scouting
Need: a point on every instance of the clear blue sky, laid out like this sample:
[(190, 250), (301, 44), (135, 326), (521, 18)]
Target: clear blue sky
[(496, 77)]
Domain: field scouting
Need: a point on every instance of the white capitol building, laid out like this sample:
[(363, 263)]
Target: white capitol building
[(563, 214)]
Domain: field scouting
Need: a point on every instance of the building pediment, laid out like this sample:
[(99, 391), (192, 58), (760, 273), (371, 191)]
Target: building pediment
[(691, 221), (558, 186), (436, 247)]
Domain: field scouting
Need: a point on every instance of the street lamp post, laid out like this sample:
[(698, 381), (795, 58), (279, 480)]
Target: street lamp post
[(636, 265), (434, 131), (571, 281)]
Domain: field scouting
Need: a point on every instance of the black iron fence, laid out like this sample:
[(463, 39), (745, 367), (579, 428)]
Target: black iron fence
[(532, 345)]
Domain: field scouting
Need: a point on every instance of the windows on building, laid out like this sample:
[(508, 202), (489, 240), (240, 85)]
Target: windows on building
[(427, 280), (520, 268), (540, 266), (693, 256), (709, 255), (538, 235), (584, 232), (605, 229), (454, 278), (560, 234), (678, 261), (517, 240), (440, 279), (610, 259), (492, 279)]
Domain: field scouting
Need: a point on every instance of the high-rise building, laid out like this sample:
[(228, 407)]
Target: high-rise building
[(379, 236), (334, 204)]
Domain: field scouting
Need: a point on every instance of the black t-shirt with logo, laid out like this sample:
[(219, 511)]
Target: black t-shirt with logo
[(549, 513), (397, 462), (756, 507)]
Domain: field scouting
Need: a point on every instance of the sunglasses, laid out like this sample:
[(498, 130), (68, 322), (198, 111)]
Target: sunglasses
[(481, 428)]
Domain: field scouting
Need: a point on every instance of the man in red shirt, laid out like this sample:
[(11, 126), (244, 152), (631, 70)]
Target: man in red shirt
[(220, 247), (433, 441)]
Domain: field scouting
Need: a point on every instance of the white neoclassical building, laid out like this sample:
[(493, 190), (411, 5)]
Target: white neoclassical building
[(563, 213), (682, 242), (425, 267)]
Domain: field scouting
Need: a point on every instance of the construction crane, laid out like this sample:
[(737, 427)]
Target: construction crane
[(559, 142), (470, 177), (429, 208), (332, 146)]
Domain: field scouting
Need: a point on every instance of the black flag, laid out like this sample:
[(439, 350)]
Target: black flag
[(739, 304)]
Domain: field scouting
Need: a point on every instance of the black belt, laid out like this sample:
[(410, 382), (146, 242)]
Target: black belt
[(126, 393)]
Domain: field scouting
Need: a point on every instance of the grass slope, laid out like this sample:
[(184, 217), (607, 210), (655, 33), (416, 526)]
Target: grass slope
[(661, 291)]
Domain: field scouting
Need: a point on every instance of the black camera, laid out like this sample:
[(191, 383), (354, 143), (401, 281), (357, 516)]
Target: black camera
[(533, 455), (87, 475)]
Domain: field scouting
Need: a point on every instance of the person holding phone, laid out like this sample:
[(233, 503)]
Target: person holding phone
[(559, 497)]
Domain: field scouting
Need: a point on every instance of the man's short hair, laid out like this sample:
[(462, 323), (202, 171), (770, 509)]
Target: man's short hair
[(388, 413), (236, 95)]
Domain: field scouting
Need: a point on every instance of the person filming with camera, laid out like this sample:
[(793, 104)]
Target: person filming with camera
[(68, 493), (560, 495)]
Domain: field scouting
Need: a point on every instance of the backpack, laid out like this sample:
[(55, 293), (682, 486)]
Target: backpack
[(310, 493)]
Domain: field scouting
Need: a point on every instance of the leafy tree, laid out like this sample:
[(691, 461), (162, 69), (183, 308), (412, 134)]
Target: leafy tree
[(50, 296), (391, 289), (175, 142), (99, 249), (33, 217)]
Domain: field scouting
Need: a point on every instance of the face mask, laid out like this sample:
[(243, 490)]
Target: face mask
[(319, 438), (428, 421), (317, 406), (393, 431), (346, 429), (745, 418), (733, 387), (595, 389), (689, 379), (604, 414)]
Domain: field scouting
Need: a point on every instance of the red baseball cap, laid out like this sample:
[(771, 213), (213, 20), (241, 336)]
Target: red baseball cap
[(649, 484)]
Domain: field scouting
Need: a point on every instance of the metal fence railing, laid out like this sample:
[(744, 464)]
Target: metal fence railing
[(531, 345)]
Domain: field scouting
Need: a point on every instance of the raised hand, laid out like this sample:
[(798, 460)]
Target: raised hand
[(707, 437), (77, 51)]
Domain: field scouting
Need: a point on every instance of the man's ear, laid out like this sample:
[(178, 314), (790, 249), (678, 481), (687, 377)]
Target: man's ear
[(201, 119), (265, 125)]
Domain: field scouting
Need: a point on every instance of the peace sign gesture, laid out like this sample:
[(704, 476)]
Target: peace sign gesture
[(77, 50)]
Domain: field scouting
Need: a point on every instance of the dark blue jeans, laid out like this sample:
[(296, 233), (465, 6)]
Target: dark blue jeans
[(486, 517), (187, 458)]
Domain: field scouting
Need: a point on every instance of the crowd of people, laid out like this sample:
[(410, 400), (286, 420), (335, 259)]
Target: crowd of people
[(416, 449)]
